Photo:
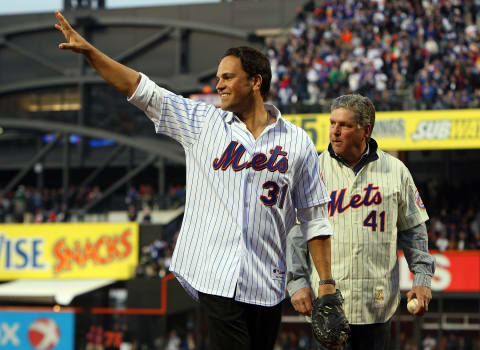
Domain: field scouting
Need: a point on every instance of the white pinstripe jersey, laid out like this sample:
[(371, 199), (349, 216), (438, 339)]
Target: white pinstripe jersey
[(241, 195), (366, 211)]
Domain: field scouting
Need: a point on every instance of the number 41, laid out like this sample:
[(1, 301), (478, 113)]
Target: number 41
[(371, 221)]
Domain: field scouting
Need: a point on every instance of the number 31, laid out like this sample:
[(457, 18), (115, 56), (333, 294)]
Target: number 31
[(273, 192)]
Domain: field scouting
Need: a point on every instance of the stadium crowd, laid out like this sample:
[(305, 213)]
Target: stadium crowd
[(425, 52), (454, 212), (28, 204)]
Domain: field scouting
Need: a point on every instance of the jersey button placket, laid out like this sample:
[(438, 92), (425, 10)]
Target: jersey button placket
[(249, 183)]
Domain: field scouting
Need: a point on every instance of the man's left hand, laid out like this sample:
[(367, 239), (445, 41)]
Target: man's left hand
[(423, 295)]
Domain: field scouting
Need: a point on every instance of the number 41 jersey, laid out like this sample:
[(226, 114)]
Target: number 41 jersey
[(367, 210)]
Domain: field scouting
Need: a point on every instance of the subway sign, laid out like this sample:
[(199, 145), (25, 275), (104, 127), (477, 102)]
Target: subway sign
[(406, 130)]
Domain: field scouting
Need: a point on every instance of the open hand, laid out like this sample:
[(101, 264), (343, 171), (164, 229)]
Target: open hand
[(75, 42)]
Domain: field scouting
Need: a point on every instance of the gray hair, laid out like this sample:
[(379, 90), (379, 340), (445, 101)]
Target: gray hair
[(362, 107)]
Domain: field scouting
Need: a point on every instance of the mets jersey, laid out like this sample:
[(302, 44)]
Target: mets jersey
[(241, 195), (367, 208)]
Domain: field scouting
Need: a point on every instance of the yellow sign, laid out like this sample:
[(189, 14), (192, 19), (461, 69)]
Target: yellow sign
[(408, 130), (68, 251)]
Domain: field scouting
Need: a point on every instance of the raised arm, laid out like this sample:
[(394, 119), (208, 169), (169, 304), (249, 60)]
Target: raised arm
[(121, 77)]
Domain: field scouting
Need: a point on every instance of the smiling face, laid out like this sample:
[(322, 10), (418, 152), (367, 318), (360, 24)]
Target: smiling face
[(235, 88), (347, 138)]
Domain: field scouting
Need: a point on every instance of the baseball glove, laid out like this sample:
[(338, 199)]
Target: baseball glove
[(329, 324)]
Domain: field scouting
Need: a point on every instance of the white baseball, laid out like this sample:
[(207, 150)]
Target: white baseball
[(412, 305)]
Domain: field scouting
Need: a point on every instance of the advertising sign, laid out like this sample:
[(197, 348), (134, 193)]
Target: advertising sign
[(37, 330), (406, 130), (68, 251), (452, 267)]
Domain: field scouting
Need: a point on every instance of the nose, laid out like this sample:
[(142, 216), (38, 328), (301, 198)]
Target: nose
[(220, 86), (335, 129)]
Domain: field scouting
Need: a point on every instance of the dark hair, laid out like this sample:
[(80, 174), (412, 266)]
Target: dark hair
[(253, 63)]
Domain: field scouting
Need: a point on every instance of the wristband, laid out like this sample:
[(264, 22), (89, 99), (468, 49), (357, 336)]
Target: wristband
[(329, 281)]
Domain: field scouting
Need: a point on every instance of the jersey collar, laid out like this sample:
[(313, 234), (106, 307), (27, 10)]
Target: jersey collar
[(368, 156), (231, 117)]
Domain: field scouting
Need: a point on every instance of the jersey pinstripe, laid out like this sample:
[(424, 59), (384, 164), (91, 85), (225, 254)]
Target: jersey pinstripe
[(366, 211), (241, 195)]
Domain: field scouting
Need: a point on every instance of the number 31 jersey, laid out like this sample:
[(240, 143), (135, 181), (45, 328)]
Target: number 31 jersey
[(241, 195)]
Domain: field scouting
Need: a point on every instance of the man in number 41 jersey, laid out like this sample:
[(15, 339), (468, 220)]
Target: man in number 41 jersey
[(373, 205)]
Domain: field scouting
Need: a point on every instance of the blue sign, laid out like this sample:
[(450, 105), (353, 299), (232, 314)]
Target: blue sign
[(37, 330)]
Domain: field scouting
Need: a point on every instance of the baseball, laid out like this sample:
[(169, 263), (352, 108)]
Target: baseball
[(412, 305)]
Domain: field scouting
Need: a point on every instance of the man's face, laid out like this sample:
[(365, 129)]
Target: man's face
[(233, 85), (347, 139)]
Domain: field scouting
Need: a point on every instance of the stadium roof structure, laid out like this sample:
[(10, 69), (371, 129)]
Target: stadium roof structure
[(47, 90)]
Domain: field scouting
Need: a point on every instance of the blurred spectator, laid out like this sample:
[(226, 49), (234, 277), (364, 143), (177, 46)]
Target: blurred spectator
[(39, 216), (442, 242), (429, 342), (90, 338), (98, 338), (132, 213), (132, 197), (173, 342), (147, 216), (127, 338), (462, 240), (64, 213), (52, 216), (189, 343), (3, 210), (146, 195), (283, 342), (20, 203), (303, 341), (176, 195), (452, 342), (94, 194)]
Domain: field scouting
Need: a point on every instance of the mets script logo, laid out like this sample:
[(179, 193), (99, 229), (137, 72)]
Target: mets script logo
[(277, 161), (371, 196)]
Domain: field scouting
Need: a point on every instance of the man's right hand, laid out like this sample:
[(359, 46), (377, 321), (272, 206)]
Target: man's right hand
[(302, 301), (75, 41)]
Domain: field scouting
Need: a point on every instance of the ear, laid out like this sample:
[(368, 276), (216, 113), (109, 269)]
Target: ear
[(368, 130), (256, 82)]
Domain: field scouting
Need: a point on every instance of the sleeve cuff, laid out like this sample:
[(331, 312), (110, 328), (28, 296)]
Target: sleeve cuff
[(315, 228), (294, 285), (421, 279), (142, 94)]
